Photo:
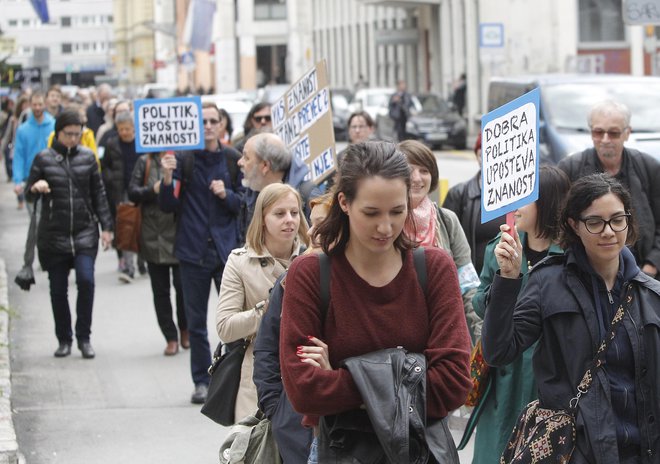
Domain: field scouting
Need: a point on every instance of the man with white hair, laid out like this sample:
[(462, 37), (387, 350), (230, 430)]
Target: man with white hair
[(267, 160), (609, 122)]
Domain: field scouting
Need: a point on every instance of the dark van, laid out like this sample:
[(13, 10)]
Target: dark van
[(565, 103)]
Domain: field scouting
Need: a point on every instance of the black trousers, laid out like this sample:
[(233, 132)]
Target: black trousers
[(159, 274)]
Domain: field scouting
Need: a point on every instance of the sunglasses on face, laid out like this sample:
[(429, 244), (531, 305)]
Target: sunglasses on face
[(213, 122), (600, 133), (261, 119)]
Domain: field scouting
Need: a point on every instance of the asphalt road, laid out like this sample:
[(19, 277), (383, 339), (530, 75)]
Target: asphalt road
[(131, 403)]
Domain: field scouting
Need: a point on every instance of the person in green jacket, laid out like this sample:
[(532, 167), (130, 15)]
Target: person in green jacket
[(512, 386)]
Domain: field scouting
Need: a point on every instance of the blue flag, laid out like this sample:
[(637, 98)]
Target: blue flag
[(41, 8)]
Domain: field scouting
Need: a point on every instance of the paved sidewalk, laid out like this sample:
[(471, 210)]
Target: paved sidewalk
[(129, 405)]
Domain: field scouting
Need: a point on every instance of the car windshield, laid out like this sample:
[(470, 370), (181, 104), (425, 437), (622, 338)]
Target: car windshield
[(567, 105), (432, 104), (378, 99)]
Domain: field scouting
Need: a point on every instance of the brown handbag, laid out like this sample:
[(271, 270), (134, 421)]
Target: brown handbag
[(128, 222)]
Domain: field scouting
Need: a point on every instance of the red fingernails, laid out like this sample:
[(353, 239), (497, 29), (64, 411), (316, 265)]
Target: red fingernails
[(309, 337)]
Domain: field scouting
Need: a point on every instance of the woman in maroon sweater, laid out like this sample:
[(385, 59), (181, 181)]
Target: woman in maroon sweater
[(376, 301)]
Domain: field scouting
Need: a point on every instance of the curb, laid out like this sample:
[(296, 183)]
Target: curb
[(9, 453)]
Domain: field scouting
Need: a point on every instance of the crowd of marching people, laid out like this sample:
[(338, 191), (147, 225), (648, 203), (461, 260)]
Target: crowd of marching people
[(366, 312)]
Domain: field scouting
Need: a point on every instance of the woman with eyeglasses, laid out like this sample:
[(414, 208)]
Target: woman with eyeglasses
[(360, 127), (74, 203), (568, 305)]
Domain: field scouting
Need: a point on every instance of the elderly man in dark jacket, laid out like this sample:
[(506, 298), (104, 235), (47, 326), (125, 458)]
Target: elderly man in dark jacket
[(68, 177), (610, 128)]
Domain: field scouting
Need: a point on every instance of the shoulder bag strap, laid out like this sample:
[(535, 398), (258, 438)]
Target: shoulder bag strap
[(324, 277), (146, 170), (599, 359), (419, 258), (60, 159)]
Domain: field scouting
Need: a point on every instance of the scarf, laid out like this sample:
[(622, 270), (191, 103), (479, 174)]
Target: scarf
[(424, 216)]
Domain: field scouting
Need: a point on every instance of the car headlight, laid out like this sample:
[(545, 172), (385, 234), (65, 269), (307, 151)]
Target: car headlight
[(411, 127)]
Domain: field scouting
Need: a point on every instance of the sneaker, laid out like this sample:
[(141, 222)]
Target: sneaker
[(125, 277), (199, 395)]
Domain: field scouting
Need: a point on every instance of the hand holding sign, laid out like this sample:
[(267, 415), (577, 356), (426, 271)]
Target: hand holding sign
[(508, 252), (168, 163)]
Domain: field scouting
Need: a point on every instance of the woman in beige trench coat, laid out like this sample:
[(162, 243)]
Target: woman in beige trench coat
[(275, 236)]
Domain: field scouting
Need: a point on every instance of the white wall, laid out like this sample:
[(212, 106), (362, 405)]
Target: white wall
[(53, 35)]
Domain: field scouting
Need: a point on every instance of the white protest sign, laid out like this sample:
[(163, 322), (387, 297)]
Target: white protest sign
[(509, 156), (168, 124), (303, 119)]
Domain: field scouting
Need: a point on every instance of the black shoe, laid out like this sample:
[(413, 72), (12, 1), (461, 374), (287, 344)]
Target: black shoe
[(199, 395), (86, 349), (63, 350)]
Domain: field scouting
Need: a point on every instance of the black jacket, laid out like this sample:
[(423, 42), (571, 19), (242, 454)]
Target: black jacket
[(394, 429), (113, 172), (66, 225), (640, 173), (464, 199), (293, 440), (556, 309)]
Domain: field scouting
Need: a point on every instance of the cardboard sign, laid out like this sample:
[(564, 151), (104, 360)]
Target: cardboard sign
[(509, 156), (168, 124), (303, 119)]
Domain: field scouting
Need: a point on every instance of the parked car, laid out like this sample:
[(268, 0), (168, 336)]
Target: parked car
[(340, 101), (432, 121), (272, 92), (372, 100), (565, 103), (236, 104), (157, 91)]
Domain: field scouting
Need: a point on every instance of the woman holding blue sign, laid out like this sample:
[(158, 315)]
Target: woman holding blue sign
[(595, 316), (512, 386)]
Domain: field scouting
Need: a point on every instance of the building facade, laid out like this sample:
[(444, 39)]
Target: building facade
[(74, 47)]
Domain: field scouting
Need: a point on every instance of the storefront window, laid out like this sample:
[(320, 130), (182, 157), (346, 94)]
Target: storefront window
[(601, 21)]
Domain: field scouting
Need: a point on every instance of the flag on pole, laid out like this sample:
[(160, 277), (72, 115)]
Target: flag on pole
[(198, 30)]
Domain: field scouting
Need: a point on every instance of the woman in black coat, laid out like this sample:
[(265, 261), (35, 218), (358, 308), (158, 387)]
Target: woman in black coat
[(568, 305), (74, 203), (157, 233)]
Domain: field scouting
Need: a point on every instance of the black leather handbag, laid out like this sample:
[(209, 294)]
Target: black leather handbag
[(225, 379)]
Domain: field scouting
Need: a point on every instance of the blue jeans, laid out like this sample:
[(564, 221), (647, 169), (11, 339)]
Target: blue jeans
[(196, 281), (58, 274), (314, 452)]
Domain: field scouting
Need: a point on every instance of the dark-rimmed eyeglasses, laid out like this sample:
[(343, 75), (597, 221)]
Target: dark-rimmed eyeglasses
[(261, 119), (72, 135), (612, 134), (213, 122), (596, 225)]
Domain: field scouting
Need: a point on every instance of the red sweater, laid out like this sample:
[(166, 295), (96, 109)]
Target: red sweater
[(361, 319)]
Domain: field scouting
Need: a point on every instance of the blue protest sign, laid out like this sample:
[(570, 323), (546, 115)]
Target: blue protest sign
[(509, 156), (168, 124)]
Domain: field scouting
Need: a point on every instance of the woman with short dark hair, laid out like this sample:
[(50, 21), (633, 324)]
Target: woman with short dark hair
[(513, 386), (68, 178)]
